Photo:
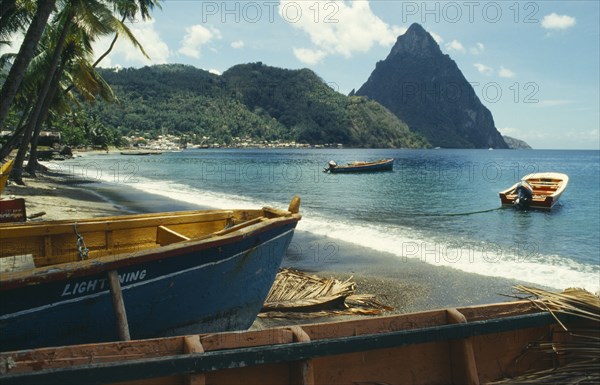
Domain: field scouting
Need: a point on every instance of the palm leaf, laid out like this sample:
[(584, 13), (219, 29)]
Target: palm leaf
[(581, 351), (309, 296)]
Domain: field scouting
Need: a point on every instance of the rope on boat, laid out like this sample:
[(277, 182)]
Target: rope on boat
[(81, 248)]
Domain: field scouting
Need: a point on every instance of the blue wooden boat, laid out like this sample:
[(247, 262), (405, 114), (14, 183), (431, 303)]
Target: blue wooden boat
[(378, 165), (151, 274)]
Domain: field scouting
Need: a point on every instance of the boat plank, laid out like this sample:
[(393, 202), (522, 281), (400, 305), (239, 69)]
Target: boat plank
[(507, 359), (222, 341), (408, 365), (379, 325), (109, 223), (68, 356)]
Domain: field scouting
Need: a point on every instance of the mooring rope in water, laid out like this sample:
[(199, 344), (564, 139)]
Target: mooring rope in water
[(454, 214), (469, 213)]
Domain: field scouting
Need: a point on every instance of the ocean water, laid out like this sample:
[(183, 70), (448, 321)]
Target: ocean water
[(438, 206)]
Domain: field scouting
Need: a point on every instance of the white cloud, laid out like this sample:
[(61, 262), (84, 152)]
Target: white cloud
[(510, 131), (506, 73), (146, 35), (477, 49), (483, 69), (309, 56), (455, 46), (196, 36), (337, 27), (215, 71), (554, 21), (15, 41), (554, 102), (438, 39), (237, 44)]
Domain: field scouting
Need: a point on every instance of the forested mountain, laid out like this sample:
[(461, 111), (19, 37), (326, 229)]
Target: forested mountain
[(248, 100)]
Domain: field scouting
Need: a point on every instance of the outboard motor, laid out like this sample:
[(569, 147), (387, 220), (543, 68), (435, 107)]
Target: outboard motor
[(524, 195), (332, 165)]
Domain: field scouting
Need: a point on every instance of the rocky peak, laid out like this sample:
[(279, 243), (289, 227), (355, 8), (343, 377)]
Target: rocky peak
[(426, 89), (415, 42)]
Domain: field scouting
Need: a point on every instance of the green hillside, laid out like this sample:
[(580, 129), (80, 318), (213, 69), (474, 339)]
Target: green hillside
[(249, 100)]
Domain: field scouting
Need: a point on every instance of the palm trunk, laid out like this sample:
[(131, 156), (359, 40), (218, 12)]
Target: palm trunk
[(26, 53), (32, 163), (105, 54), (110, 48), (17, 172)]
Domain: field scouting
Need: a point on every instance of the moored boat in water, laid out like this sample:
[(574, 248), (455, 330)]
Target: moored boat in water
[(469, 345), (147, 275), (378, 165), (141, 152), (537, 190)]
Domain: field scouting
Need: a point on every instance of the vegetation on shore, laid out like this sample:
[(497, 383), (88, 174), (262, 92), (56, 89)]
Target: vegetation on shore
[(53, 83), (248, 101)]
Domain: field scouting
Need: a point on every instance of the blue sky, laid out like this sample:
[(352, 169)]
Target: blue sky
[(534, 64)]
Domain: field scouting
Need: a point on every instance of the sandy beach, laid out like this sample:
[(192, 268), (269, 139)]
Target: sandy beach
[(407, 286), (60, 197)]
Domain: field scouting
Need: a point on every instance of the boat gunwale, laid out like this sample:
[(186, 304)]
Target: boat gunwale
[(237, 357), (56, 272), (66, 225)]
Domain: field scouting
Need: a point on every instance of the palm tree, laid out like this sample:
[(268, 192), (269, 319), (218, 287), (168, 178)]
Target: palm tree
[(74, 69), (26, 53), (15, 18), (91, 17), (128, 10), (65, 19)]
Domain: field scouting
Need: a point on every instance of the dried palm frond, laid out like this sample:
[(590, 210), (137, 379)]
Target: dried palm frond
[(576, 373), (291, 286), (579, 352), (311, 296), (573, 301)]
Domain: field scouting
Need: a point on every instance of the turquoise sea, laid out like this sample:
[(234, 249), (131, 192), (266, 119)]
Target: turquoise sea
[(438, 206)]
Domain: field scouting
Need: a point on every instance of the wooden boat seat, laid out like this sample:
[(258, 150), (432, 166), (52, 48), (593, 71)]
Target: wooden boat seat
[(166, 236)]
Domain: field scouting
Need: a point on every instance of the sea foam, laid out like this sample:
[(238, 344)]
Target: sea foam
[(519, 262)]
